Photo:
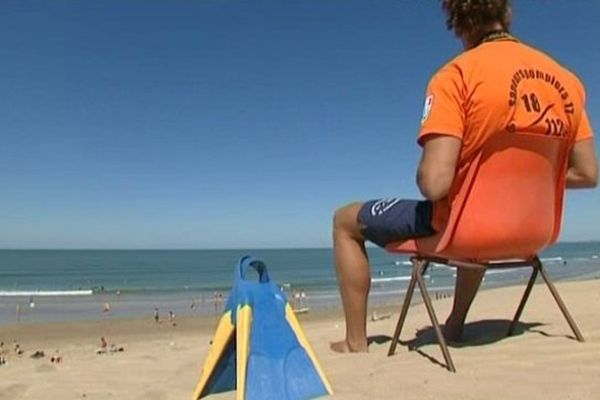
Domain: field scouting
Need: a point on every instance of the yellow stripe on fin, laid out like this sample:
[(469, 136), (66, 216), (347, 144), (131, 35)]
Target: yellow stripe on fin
[(221, 339), (293, 321), (243, 327)]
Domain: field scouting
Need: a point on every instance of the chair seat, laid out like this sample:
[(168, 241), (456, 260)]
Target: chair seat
[(432, 248), (427, 247)]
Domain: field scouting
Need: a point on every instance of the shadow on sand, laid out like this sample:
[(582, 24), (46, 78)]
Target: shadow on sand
[(477, 333)]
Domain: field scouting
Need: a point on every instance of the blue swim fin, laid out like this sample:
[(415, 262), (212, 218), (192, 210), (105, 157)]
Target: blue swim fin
[(272, 357)]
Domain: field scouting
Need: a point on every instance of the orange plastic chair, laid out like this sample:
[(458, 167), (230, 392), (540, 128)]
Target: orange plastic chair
[(509, 207)]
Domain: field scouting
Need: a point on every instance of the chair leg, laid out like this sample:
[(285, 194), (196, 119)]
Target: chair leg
[(524, 299), (405, 306), (434, 321), (559, 301)]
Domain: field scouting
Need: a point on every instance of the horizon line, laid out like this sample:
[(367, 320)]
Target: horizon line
[(219, 248)]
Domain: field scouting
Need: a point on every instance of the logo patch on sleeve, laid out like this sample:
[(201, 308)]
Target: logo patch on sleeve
[(427, 108)]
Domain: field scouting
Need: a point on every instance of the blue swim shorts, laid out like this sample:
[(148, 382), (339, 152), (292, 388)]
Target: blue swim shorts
[(391, 220)]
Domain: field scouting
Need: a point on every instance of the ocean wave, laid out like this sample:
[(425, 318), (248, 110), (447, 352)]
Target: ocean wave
[(406, 263), (438, 265), (394, 279), (551, 259), (45, 293), (502, 271), (497, 271)]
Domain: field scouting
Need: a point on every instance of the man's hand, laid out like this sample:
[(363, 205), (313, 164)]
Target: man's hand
[(438, 165)]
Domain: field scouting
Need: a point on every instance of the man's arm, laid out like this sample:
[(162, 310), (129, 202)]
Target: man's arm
[(438, 165), (583, 165)]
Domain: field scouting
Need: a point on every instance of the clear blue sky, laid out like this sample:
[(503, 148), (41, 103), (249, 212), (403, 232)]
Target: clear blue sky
[(228, 124)]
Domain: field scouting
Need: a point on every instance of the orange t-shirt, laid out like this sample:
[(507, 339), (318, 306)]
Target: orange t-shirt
[(498, 86)]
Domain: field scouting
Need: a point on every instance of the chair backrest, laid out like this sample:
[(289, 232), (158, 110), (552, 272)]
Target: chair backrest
[(510, 204)]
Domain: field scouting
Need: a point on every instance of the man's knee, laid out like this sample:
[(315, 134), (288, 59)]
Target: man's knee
[(345, 220)]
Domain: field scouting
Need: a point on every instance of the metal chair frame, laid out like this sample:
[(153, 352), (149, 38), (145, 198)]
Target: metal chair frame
[(420, 265)]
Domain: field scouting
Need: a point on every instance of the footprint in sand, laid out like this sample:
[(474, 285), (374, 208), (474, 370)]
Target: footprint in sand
[(12, 392)]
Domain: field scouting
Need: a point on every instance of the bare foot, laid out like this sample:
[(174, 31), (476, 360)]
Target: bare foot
[(344, 347)]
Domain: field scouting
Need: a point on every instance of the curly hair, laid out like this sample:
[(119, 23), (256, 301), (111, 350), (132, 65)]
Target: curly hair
[(471, 16)]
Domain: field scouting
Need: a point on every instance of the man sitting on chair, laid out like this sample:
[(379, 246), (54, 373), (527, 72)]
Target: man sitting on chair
[(497, 85)]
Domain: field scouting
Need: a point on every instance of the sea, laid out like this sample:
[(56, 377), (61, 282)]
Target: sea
[(78, 285)]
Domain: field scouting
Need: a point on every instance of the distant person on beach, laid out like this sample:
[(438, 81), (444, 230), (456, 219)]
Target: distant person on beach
[(2, 352), (17, 348), (296, 299), (156, 316), (56, 358), (218, 301), (38, 354), (103, 346), (497, 86), (302, 298)]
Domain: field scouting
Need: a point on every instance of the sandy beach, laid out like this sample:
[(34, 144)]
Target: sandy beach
[(162, 361)]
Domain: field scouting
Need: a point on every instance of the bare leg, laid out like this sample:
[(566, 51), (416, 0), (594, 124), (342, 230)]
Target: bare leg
[(467, 284), (354, 278)]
